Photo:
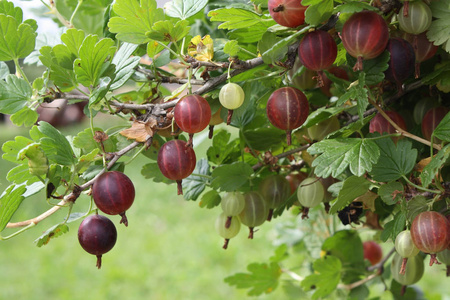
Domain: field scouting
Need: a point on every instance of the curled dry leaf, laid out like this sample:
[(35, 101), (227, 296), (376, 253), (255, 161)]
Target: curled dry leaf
[(140, 131)]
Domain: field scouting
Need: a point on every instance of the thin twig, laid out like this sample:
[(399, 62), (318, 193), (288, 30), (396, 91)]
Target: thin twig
[(282, 155)]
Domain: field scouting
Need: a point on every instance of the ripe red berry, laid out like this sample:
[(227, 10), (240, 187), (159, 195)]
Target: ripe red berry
[(372, 252), (317, 51), (430, 232), (192, 114), (97, 235), (176, 160), (402, 61), (287, 109), (113, 194), (289, 13), (381, 125), (423, 48), (365, 36)]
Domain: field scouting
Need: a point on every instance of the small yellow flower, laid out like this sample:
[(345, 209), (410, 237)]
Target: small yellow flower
[(201, 49)]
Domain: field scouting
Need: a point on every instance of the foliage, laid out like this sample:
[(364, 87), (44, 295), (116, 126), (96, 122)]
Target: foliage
[(120, 68)]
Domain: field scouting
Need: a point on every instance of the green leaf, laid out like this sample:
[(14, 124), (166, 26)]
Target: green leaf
[(338, 154), (14, 94), (62, 77), (4, 70), (221, 147), (231, 48), (55, 145), (270, 54), (193, 185), (21, 174), (277, 47), (85, 140), (439, 31), (348, 130), (391, 192), (394, 161), (86, 160), (357, 92), (152, 171), (7, 8), (318, 11), (10, 201), (184, 9), (210, 199), (249, 34), (11, 149), (263, 278), (53, 232), (353, 6), (346, 245), (134, 20), (442, 131), (93, 55), (153, 48), (231, 177), (125, 64), (353, 187), (327, 275), (234, 18), (167, 31), (415, 206), (281, 253), (26, 117), (394, 227), (263, 138), (104, 85), (16, 40), (320, 115), (431, 170), (373, 68), (37, 161)]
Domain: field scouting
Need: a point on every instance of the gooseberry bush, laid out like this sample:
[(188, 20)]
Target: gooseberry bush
[(333, 128)]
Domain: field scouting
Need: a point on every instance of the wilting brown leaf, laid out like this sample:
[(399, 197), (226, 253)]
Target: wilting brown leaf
[(139, 131), (368, 200), (422, 164)]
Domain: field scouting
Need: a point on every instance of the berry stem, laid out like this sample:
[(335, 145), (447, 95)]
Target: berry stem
[(433, 259), (230, 114), (305, 212), (359, 64), (211, 131), (99, 261), (279, 8), (225, 245), (124, 219), (269, 217), (288, 137), (250, 234), (403, 267), (179, 188), (405, 8), (319, 78)]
